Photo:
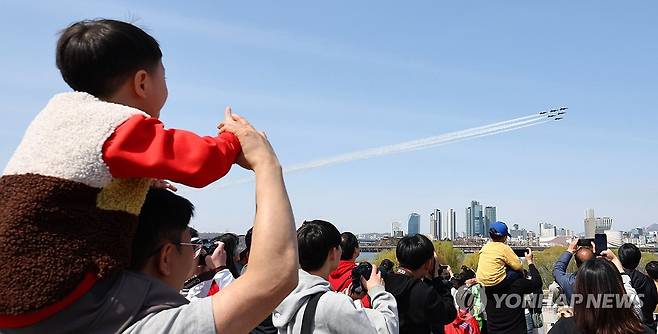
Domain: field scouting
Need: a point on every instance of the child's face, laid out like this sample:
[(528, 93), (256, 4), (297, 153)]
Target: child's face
[(157, 94)]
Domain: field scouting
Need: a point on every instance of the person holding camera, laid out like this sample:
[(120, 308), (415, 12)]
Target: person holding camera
[(423, 296), (618, 308), (313, 307), (581, 251), (341, 278), (629, 256), (217, 277)]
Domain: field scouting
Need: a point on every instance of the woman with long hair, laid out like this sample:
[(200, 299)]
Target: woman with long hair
[(604, 301)]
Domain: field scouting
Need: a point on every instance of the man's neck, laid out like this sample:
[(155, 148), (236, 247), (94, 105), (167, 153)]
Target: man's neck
[(155, 274), (322, 272)]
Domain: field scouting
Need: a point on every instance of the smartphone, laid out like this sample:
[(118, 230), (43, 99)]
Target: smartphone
[(600, 242), (520, 252), (585, 242)]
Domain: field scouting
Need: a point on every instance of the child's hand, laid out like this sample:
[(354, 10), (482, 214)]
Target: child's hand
[(256, 149)]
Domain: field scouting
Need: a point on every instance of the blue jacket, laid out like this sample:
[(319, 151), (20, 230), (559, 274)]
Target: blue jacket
[(565, 280)]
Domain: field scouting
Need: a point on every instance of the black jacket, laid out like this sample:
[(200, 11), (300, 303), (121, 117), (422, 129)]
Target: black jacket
[(505, 309), (646, 290), (423, 307), (568, 326)]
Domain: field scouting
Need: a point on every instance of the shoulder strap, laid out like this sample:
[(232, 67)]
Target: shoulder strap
[(309, 313)]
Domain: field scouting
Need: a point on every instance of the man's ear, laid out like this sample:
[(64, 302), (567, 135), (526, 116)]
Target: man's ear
[(165, 258), (333, 254), (428, 265), (141, 83)]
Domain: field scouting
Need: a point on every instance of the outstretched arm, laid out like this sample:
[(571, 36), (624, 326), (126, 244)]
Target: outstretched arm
[(142, 147), (254, 295)]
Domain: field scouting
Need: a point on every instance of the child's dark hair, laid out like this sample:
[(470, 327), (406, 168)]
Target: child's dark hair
[(97, 56), (497, 238)]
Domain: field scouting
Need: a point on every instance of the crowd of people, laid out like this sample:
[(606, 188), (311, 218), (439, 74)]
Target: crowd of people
[(93, 240)]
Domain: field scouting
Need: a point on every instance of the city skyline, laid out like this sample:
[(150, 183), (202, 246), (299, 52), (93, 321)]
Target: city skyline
[(322, 79), (442, 226)]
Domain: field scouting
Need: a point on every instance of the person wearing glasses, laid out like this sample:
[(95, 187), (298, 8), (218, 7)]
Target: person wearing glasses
[(146, 298)]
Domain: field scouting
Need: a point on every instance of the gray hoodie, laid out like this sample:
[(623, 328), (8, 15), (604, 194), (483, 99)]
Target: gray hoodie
[(336, 312)]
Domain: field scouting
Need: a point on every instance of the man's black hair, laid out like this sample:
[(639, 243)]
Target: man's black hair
[(97, 56), (629, 256), (244, 255), (315, 239), (467, 273), (652, 269), (164, 217), (349, 243), (247, 238), (413, 251)]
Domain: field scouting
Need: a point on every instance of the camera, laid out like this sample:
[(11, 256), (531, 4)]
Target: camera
[(386, 267), (585, 242), (362, 270), (208, 248)]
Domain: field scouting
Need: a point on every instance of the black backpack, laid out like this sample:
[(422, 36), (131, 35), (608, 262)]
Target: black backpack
[(309, 313)]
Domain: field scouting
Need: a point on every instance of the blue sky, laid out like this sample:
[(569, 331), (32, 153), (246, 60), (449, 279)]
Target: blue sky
[(325, 78)]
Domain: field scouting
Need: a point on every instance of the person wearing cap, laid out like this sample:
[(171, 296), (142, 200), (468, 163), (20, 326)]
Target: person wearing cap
[(498, 265)]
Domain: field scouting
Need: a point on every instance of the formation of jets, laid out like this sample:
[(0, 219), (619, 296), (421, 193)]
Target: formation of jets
[(556, 113)]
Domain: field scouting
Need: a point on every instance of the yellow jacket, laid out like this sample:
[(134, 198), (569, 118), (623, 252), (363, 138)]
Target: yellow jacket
[(495, 257)]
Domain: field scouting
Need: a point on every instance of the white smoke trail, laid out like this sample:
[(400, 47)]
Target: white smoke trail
[(460, 136), (415, 145)]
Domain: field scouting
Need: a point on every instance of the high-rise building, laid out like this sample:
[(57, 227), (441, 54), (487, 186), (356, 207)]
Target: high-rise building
[(432, 234), (450, 225), (489, 218), (547, 230), (435, 225), (413, 226), (594, 225), (475, 220), (469, 222), (615, 238), (396, 230), (517, 233)]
